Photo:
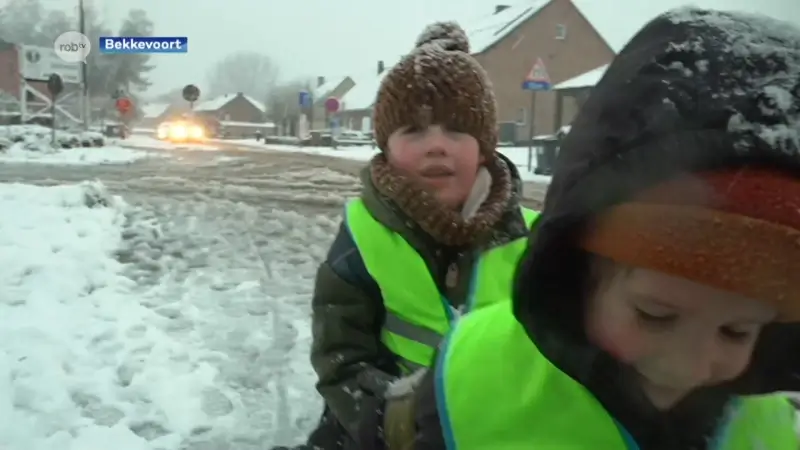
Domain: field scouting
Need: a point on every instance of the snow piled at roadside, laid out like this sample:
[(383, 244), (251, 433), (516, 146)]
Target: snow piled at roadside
[(19, 153), (83, 363)]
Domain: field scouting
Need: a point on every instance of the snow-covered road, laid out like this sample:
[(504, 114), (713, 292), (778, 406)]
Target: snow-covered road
[(175, 317)]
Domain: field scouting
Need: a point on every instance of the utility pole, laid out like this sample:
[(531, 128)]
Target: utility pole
[(84, 78)]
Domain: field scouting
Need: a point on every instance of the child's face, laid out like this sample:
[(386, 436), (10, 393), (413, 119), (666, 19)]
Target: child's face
[(446, 162), (677, 334)]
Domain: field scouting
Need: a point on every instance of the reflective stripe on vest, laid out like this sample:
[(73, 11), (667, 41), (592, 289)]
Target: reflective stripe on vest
[(417, 316), (495, 390)]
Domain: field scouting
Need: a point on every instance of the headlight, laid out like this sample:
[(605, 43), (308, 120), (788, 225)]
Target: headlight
[(196, 132), (178, 132)]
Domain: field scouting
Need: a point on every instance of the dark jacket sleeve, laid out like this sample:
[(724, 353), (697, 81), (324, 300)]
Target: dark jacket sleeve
[(352, 365)]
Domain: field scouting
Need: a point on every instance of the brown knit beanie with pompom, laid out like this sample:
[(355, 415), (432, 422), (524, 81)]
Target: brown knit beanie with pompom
[(438, 83)]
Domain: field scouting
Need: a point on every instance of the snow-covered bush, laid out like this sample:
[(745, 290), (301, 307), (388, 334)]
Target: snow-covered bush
[(39, 138)]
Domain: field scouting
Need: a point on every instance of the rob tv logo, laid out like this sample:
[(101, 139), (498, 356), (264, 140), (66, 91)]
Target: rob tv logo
[(72, 47)]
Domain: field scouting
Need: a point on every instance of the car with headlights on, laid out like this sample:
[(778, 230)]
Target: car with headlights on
[(182, 131)]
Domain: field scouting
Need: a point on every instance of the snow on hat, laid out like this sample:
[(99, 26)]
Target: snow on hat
[(735, 223), (438, 82)]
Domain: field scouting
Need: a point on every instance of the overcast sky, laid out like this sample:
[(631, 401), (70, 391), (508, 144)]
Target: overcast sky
[(348, 37)]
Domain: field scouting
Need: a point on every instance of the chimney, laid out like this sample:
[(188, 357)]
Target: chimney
[(381, 67), (320, 81), (500, 8)]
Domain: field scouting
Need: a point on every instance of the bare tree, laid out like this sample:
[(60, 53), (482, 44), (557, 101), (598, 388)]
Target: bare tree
[(251, 73), (283, 102)]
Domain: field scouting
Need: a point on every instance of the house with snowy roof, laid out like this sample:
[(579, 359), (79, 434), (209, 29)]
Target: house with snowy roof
[(356, 104), (327, 87), (236, 107), (573, 93), (238, 115)]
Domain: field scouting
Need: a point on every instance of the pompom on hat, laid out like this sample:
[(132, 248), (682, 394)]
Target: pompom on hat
[(438, 82)]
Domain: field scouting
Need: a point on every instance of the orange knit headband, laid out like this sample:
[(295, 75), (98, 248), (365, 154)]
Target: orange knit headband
[(737, 230)]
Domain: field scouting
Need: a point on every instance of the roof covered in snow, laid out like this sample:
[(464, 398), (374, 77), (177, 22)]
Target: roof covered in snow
[(588, 79), (152, 110), (323, 91), (488, 30), (216, 103), (362, 95)]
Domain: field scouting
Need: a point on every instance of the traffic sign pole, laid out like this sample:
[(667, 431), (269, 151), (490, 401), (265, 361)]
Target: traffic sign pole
[(306, 103), (531, 124), (190, 93), (537, 80), (55, 85), (304, 99), (332, 105)]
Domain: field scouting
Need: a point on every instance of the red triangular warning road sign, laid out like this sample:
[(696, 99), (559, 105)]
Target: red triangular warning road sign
[(538, 73)]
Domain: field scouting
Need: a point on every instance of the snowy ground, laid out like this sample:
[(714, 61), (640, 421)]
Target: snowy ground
[(149, 142), (17, 153), (174, 317)]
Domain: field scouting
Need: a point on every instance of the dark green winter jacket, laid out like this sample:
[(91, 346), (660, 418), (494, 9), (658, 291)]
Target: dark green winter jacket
[(347, 354)]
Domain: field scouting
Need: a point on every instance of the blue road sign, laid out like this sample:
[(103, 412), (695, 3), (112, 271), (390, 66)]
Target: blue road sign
[(537, 79), (304, 99)]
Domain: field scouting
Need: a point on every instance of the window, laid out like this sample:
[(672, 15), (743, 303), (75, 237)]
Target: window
[(561, 32), (522, 114)]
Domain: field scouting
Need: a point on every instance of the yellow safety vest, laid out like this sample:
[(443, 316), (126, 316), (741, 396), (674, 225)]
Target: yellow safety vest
[(496, 391), (417, 315)]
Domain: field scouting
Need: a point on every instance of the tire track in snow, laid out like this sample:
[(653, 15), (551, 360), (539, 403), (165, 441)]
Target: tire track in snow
[(280, 343), (264, 370)]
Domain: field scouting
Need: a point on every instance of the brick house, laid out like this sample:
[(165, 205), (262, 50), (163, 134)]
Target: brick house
[(508, 43), (238, 115), (233, 107), (335, 87), (572, 93)]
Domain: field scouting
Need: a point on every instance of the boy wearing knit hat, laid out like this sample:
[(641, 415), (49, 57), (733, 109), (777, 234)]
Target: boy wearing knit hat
[(658, 302), (436, 233)]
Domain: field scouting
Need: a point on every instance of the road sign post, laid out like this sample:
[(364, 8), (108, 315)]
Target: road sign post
[(124, 105), (332, 104), (191, 93), (304, 99), (55, 85), (306, 102), (536, 80), (331, 107)]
